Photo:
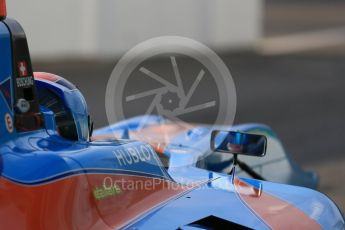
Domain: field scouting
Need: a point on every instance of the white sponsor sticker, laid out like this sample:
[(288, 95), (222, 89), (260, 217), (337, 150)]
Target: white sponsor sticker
[(133, 155), (23, 105), (25, 81), (9, 123)]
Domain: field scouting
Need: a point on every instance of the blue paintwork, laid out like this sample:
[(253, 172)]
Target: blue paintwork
[(195, 143), (43, 158), (73, 101), (52, 158), (316, 205), (226, 205), (219, 198), (5, 73)]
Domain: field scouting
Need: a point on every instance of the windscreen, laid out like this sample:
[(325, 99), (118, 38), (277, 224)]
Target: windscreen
[(63, 117)]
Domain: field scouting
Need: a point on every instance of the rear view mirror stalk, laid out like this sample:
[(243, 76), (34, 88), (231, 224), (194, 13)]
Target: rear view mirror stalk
[(239, 143)]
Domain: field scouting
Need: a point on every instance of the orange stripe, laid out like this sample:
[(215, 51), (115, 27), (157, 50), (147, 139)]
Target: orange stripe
[(3, 11), (70, 203), (46, 76), (158, 136), (275, 212)]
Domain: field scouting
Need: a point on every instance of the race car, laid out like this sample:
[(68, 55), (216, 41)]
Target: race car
[(55, 174), (170, 139)]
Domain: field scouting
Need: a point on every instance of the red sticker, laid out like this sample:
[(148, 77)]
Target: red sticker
[(3, 12), (22, 69)]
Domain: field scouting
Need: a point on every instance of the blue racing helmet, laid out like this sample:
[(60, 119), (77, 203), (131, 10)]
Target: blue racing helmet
[(68, 104)]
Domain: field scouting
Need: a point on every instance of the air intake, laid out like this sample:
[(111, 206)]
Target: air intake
[(215, 223)]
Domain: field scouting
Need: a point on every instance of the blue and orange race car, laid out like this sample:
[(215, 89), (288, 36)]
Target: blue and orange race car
[(56, 173)]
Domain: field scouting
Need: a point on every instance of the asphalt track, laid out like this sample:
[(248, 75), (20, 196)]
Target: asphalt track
[(300, 95)]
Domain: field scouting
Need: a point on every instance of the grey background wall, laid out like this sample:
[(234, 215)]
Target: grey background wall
[(99, 29)]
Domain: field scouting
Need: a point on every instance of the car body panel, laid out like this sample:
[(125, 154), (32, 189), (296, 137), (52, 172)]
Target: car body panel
[(239, 203), (194, 141), (66, 179)]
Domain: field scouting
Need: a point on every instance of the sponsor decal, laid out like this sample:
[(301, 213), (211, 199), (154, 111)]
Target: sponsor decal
[(23, 105), (22, 69), (25, 82), (103, 192), (9, 123), (133, 155)]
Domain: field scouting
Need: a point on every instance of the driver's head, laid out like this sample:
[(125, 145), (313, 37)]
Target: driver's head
[(68, 104)]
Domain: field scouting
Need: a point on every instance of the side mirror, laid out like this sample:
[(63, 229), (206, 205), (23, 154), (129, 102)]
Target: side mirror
[(238, 143)]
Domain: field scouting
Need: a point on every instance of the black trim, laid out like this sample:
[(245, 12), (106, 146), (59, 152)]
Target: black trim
[(23, 84), (215, 223)]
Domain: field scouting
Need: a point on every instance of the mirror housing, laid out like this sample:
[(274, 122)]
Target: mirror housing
[(238, 143)]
